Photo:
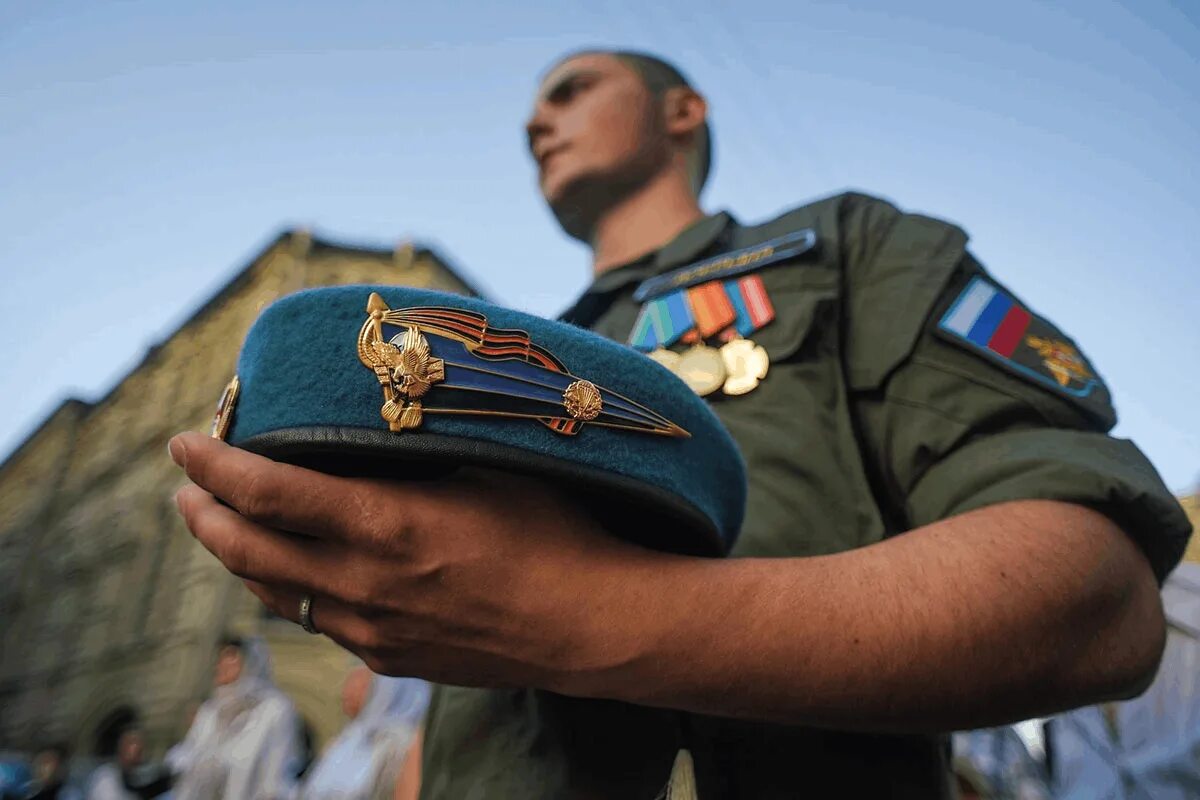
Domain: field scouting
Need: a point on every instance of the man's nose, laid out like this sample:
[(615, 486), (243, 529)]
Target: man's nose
[(538, 127)]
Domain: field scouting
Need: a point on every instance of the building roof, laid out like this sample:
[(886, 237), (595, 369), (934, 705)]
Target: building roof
[(313, 245)]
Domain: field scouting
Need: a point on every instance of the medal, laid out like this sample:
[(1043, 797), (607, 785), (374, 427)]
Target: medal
[(680, 307), (746, 364), (702, 369), (668, 358)]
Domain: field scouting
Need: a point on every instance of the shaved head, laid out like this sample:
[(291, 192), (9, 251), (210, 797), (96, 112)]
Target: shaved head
[(605, 125), (658, 76)]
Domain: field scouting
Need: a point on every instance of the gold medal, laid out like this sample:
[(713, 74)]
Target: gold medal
[(746, 363), (668, 358), (702, 369)]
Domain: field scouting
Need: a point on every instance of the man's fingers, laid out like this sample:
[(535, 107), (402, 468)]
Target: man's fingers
[(252, 551), (341, 622), (277, 495)]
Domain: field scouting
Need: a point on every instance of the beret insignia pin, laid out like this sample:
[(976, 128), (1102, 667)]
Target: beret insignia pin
[(406, 372), (224, 415), (439, 360)]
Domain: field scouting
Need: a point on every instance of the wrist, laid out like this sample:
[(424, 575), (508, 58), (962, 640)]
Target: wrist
[(634, 615)]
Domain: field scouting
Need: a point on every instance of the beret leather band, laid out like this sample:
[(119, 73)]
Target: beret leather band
[(654, 517)]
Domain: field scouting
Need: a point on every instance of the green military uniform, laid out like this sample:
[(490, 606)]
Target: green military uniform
[(874, 419)]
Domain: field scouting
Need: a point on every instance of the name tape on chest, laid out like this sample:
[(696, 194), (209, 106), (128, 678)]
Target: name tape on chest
[(727, 265), (989, 321)]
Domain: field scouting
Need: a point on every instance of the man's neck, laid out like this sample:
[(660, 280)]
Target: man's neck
[(643, 221)]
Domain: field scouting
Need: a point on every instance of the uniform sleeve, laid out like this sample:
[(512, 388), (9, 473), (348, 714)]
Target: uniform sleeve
[(956, 412)]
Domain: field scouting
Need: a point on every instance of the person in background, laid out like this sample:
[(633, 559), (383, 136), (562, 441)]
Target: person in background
[(355, 689), (50, 776), (243, 743), (178, 755), (128, 776), (996, 764), (144, 779), (14, 776), (363, 762)]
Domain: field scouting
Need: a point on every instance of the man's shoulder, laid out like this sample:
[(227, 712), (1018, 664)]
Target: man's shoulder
[(852, 226), (895, 265), (831, 206), (867, 236)]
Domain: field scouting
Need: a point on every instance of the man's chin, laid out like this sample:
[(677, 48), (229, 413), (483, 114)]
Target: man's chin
[(557, 189), (579, 201), (577, 207)]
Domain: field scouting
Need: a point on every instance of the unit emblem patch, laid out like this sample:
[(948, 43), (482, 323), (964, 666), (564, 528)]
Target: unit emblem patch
[(989, 321)]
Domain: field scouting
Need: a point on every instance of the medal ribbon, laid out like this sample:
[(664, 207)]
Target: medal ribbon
[(661, 322), (730, 308), (753, 306), (489, 343), (711, 308)]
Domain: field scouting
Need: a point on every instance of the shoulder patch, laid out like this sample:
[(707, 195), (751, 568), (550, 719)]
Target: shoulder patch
[(988, 320), (729, 264)]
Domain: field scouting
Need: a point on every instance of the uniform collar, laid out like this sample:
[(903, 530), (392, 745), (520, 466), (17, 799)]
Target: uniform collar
[(690, 243), (693, 241)]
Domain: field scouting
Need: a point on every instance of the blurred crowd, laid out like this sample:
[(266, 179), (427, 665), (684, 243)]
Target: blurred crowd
[(246, 741)]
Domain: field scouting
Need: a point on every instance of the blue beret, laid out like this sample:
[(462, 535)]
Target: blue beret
[(392, 381)]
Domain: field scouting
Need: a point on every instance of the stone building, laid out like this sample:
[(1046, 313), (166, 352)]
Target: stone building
[(110, 610), (1191, 505)]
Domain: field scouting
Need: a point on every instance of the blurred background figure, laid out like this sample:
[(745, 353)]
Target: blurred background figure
[(178, 756), (129, 776), (995, 764), (1148, 747), (364, 760), (50, 776), (14, 776), (244, 741)]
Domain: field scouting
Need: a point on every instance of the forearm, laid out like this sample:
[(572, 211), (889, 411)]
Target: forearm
[(993, 616)]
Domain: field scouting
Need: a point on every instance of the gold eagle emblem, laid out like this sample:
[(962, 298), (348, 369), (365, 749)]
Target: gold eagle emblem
[(406, 372), (1063, 360)]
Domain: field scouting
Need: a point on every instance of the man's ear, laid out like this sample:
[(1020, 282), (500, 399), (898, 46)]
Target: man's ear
[(684, 111)]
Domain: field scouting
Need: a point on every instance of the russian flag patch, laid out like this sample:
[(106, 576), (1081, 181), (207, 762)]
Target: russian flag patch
[(991, 322)]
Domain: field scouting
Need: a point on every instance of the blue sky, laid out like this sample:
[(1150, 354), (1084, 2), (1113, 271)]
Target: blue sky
[(151, 148)]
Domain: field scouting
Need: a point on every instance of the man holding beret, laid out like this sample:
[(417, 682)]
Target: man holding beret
[(939, 534)]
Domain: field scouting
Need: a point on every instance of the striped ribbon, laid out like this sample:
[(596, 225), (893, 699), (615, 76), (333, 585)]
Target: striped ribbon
[(752, 305), (711, 308)]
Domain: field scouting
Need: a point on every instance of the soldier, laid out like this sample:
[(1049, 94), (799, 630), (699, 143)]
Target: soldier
[(940, 534)]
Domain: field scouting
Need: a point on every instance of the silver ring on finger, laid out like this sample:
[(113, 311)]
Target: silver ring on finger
[(306, 620)]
